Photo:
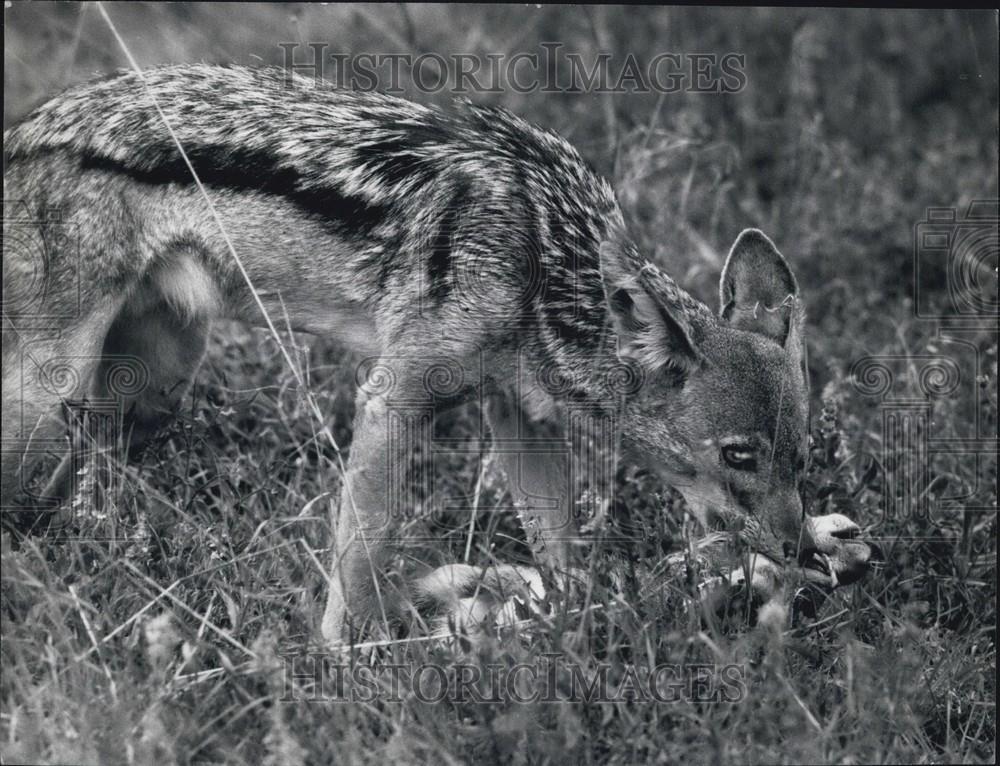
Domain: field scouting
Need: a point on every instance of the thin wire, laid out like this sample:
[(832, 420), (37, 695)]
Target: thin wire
[(310, 399)]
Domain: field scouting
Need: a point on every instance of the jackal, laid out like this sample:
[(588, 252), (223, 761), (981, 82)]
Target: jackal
[(465, 251)]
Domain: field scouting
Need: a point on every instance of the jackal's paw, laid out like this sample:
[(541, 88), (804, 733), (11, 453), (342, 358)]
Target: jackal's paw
[(478, 601), (333, 628), (342, 628)]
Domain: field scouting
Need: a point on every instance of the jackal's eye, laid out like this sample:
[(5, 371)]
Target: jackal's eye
[(740, 456)]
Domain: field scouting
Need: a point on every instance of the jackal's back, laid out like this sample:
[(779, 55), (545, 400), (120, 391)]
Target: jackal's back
[(404, 180), (369, 147), (439, 205)]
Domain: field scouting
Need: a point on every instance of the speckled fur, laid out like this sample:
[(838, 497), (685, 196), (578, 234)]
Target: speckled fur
[(410, 232)]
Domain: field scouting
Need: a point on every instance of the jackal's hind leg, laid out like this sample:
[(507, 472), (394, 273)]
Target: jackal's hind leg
[(147, 363), (46, 373)]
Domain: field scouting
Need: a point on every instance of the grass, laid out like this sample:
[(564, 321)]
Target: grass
[(157, 635)]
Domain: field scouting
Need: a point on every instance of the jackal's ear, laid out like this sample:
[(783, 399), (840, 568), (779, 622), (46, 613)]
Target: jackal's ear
[(757, 291), (652, 327)]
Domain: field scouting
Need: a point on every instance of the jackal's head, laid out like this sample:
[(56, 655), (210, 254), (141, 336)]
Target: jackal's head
[(722, 415)]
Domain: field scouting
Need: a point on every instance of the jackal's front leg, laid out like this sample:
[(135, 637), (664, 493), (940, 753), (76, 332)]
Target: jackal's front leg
[(373, 496), (537, 466)]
